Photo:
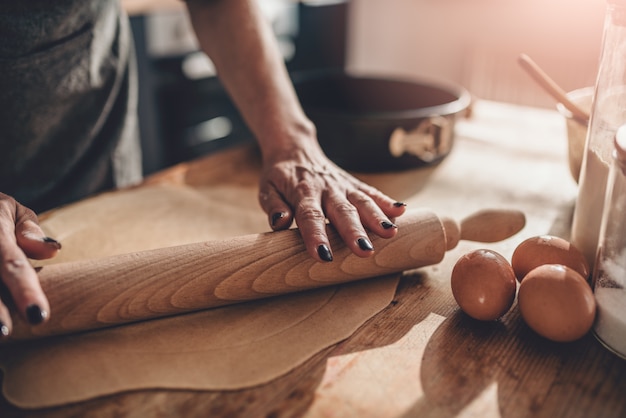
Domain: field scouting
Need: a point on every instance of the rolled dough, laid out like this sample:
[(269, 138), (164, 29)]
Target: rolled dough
[(226, 348)]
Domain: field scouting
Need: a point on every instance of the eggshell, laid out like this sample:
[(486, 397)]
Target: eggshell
[(556, 302), (547, 249), (483, 284)]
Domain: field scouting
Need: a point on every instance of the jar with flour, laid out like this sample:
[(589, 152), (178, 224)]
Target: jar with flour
[(608, 113), (609, 273)]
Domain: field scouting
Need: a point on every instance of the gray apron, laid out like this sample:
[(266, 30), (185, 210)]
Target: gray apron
[(68, 101)]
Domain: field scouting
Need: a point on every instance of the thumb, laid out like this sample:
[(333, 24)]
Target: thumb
[(34, 242), (280, 215)]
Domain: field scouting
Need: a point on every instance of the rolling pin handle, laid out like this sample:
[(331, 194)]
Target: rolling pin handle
[(452, 231), (487, 225)]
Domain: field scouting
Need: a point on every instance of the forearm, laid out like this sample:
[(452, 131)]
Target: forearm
[(236, 37), (298, 181)]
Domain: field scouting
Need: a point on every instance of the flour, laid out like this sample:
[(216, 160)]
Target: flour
[(609, 275), (589, 206), (610, 325)]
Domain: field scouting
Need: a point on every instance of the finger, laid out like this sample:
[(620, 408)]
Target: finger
[(390, 207), (23, 284), (280, 215), (34, 242), (344, 216), (312, 225), (17, 273), (6, 325), (30, 237), (371, 215)]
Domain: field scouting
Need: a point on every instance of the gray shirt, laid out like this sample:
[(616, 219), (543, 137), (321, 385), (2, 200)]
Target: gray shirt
[(68, 100)]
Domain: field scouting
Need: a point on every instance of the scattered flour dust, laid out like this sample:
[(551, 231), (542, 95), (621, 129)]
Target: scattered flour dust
[(610, 293)]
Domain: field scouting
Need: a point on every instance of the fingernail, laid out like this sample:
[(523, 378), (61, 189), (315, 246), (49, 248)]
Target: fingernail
[(35, 314), (4, 330), (276, 217), (324, 252), (399, 204), (387, 225), (365, 244), (52, 242)]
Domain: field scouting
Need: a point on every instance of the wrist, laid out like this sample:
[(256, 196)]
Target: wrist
[(289, 140)]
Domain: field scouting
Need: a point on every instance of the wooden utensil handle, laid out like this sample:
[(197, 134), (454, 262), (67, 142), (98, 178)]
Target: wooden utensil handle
[(125, 288)]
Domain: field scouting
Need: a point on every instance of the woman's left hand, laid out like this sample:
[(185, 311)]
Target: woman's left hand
[(298, 181), (304, 185)]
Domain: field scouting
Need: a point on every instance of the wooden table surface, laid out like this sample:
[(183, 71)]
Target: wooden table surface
[(421, 356)]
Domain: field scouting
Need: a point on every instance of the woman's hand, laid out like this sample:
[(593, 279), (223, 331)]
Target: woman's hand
[(298, 181), (303, 184), (22, 238)]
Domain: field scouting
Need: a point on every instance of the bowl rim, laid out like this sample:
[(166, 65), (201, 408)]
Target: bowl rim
[(573, 95), (462, 100)]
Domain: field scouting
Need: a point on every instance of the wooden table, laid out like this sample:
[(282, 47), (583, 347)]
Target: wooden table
[(421, 356)]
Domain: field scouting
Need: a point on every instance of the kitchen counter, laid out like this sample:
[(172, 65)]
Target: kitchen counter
[(421, 356)]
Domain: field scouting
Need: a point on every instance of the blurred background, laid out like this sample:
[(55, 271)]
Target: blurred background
[(476, 42), (184, 112)]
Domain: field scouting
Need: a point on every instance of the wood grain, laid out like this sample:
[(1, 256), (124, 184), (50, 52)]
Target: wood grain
[(516, 157), (92, 294)]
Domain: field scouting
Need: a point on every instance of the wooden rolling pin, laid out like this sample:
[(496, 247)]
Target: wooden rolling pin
[(98, 293)]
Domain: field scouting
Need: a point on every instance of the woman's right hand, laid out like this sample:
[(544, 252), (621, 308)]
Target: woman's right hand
[(22, 238)]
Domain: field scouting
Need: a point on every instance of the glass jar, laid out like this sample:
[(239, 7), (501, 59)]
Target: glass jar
[(608, 112), (609, 273)]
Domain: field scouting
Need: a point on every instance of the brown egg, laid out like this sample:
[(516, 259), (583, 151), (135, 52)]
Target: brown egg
[(547, 249), (483, 284), (556, 302)]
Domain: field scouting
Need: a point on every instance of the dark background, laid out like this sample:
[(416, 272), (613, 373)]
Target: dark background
[(173, 108)]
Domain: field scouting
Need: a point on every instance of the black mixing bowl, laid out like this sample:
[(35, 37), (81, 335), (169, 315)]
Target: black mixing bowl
[(369, 124)]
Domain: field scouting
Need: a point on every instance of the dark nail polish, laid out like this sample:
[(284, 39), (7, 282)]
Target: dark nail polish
[(276, 217), (399, 204), (365, 244), (324, 252), (387, 225), (4, 330), (35, 314), (52, 242)]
